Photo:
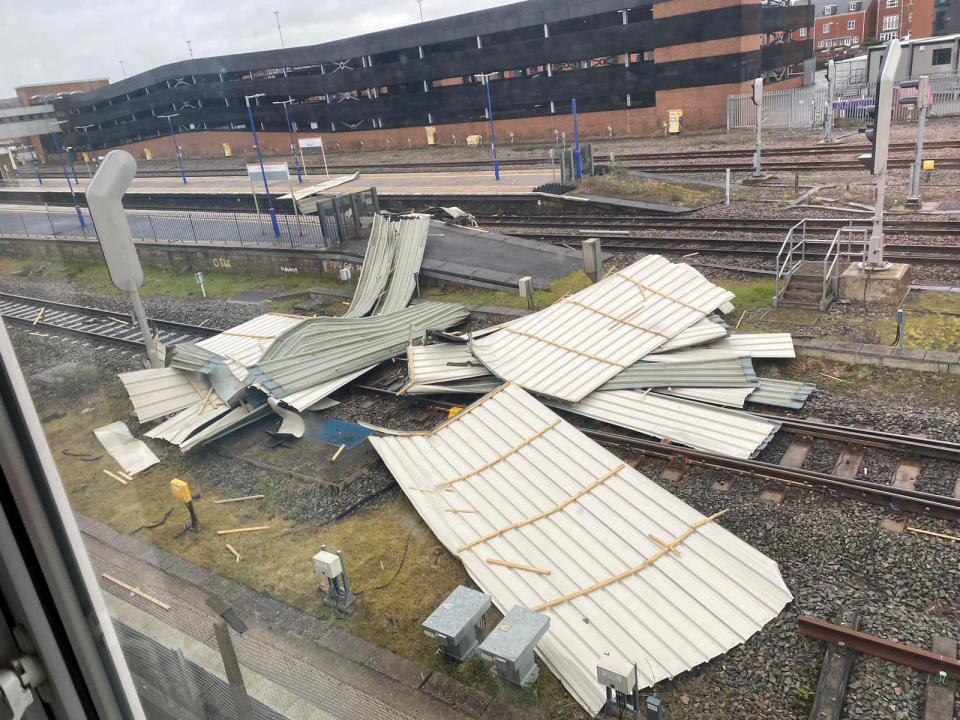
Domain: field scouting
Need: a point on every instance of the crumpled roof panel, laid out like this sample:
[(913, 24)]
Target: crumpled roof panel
[(158, 392), (577, 344), (529, 488)]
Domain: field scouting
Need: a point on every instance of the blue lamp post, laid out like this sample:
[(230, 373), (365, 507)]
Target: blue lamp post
[(73, 170), (63, 166), (86, 134), (293, 145), (263, 172), (576, 140), (485, 77), (176, 145)]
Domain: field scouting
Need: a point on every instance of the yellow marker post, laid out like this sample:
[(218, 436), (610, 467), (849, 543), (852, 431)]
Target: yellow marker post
[(181, 491), (928, 164)]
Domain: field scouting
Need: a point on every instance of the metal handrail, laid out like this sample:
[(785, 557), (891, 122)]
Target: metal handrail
[(830, 277), (783, 262)]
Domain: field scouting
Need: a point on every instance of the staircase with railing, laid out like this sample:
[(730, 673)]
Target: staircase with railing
[(808, 276)]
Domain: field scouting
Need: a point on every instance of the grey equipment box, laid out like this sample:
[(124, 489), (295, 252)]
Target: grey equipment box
[(454, 622), (509, 646)]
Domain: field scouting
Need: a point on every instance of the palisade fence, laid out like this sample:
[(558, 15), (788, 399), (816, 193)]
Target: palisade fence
[(188, 228), (806, 107)]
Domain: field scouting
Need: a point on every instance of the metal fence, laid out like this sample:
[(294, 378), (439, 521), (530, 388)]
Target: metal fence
[(807, 107), (190, 228)]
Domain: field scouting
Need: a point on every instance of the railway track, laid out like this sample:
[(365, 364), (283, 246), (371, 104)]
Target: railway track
[(876, 493), (588, 223), (103, 325), (634, 161), (918, 254)]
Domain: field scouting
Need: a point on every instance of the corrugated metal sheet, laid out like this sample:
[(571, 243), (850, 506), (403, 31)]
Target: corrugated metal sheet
[(159, 392), (324, 348), (186, 422), (701, 332), (704, 427), (234, 420), (753, 345), (306, 399), (411, 243), (476, 386), (542, 494), (579, 343), (781, 393), (243, 345), (722, 373), (726, 396), (443, 362), (377, 261)]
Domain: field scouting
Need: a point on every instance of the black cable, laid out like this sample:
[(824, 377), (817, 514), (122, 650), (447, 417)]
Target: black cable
[(155, 525), (403, 558)]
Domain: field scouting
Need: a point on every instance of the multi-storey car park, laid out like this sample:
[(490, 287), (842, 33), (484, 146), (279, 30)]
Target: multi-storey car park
[(626, 67)]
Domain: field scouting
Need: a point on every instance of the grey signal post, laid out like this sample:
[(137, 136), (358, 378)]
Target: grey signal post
[(881, 148), (263, 172), (922, 84), (831, 89), (176, 145), (104, 195), (757, 98)]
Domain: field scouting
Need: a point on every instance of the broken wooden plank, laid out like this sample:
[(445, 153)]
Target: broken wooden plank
[(337, 453), (955, 538), (243, 530), (834, 675), (136, 591), (518, 566), (115, 477), (237, 499), (233, 550)]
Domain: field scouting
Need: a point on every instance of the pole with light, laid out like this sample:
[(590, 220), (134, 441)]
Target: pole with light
[(757, 97), (176, 145), (73, 170), (123, 70), (86, 134), (293, 145), (263, 172), (485, 78), (277, 15), (576, 140), (189, 48), (63, 166)]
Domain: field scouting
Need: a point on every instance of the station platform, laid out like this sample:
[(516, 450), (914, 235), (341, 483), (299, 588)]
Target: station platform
[(474, 182)]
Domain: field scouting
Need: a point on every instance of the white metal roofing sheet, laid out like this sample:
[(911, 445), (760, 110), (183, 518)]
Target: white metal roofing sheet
[(375, 270), (727, 396), (243, 345), (700, 332), (178, 428), (443, 362), (542, 494), (781, 393), (704, 427), (158, 392), (574, 346), (752, 345), (411, 242)]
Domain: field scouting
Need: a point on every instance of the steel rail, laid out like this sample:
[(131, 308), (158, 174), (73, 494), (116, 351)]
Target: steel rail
[(894, 652), (520, 162), (897, 499), (94, 322)]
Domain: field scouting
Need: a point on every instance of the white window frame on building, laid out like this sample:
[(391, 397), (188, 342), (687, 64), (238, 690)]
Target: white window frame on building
[(891, 22), (830, 10), (888, 36), (803, 32), (851, 24), (892, 3)]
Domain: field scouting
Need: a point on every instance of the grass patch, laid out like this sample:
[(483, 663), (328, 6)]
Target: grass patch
[(571, 283), (620, 183), (157, 281), (925, 331), (931, 301), (277, 561)]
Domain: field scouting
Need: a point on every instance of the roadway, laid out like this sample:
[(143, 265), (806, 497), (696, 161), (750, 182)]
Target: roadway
[(473, 182)]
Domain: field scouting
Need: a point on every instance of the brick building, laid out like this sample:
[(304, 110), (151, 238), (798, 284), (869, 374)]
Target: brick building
[(626, 64), (899, 18)]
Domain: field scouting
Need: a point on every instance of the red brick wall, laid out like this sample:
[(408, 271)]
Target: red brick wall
[(26, 92), (835, 27), (637, 121)]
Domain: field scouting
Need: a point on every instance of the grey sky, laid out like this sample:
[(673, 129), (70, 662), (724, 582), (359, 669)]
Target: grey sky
[(55, 40)]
